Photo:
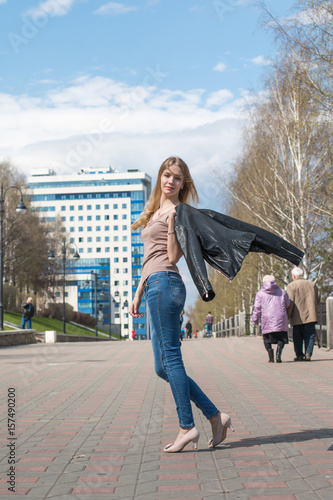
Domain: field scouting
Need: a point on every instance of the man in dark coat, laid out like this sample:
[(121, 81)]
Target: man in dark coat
[(28, 312)]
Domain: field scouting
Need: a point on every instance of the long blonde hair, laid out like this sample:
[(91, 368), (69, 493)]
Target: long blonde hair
[(187, 193)]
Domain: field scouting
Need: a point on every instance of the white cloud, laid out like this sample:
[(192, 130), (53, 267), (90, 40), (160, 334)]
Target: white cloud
[(2, 1), (53, 8), (220, 66), (114, 9), (98, 121), (218, 98), (261, 61)]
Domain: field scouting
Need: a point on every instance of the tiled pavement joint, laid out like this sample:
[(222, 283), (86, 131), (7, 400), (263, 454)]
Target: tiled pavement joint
[(91, 422)]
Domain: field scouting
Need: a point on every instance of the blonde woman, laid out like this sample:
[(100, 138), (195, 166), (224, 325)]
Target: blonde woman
[(165, 295)]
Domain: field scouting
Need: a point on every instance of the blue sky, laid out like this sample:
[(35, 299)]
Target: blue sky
[(96, 83)]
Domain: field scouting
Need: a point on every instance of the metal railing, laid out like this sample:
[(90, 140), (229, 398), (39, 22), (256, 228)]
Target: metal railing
[(240, 325)]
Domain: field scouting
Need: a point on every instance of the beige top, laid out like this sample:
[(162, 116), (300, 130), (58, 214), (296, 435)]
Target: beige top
[(155, 241)]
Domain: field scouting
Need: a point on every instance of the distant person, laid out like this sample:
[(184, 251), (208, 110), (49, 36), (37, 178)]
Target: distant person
[(133, 334), (196, 334), (303, 314), (28, 312), (270, 307), (209, 322), (188, 330)]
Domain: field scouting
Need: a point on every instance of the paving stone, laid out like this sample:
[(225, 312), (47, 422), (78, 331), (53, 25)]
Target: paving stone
[(89, 433)]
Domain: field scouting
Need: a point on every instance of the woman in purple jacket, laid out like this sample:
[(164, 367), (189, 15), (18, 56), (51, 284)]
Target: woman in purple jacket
[(270, 307)]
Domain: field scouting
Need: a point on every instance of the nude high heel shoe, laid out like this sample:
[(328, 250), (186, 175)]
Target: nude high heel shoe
[(224, 423), (192, 435)]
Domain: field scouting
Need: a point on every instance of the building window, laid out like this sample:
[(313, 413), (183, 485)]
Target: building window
[(80, 229), (63, 208), (124, 228), (98, 228), (80, 218), (89, 228), (115, 260), (98, 217), (71, 240), (107, 249), (125, 259), (98, 249), (124, 249), (107, 238), (116, 249), (71, 229), (63, 229), (89, 207), (125, 283), (106, 207), (98, 239), (81, 240), (89, 217), (115, 238), (124, 238), (106, 217), (116, 283), (116, 271), (115, 205), (124, 205), (115, 217), (125, 294), (80, 207), (125, 270), (63, 219), (89, 239), (71, 207), (98, 207), (124, 216), (115, 228), (89, 250), (80, 250), (106, 228)]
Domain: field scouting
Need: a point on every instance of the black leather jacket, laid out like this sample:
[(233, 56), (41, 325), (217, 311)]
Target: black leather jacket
[(223, 242)]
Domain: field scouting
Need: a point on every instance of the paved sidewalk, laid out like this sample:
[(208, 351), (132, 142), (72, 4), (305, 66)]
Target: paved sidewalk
[(91, 422)]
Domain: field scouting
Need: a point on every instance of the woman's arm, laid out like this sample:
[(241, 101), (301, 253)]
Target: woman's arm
[(135, 305), (173, 249)]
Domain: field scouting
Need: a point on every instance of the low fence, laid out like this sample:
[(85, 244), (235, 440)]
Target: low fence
[(240, 325)]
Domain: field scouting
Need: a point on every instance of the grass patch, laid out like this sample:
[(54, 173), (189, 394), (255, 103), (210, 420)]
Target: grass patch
[(41, 324)]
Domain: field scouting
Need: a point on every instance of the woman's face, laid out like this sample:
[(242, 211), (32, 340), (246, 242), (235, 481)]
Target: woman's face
[(172, 181)]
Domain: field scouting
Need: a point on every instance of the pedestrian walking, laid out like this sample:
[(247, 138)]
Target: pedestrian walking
[(270, 307), (188, 329), (165, 295), (28, 312), (133, 334), (303, 314), (209, 322)]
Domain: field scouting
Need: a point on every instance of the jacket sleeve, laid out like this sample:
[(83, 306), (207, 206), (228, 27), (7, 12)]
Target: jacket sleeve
[(192, 251), (256, 310), (286, 300), (291, 296)]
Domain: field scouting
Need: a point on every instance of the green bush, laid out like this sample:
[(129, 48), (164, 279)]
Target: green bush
[(55, 311)]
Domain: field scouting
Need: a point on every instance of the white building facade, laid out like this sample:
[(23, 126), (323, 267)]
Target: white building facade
[(97, 208)]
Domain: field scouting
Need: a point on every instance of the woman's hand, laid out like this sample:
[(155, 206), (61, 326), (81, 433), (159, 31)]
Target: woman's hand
[(134, 307)]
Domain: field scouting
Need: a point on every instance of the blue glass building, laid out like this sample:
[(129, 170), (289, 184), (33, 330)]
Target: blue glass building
[(96, 208)]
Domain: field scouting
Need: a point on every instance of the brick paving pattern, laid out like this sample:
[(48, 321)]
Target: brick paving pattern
[(92, 421)]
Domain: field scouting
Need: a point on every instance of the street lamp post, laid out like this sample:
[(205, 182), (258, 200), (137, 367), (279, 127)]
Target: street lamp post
[(76, 256), (20, 208), (94, 278)]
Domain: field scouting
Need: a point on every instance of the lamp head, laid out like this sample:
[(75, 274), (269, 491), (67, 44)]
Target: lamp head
[(21, 208)]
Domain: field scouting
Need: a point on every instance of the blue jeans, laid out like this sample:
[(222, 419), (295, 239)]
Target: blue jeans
[(209, 329), (304, 333), (24, 321), (165, 294)]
